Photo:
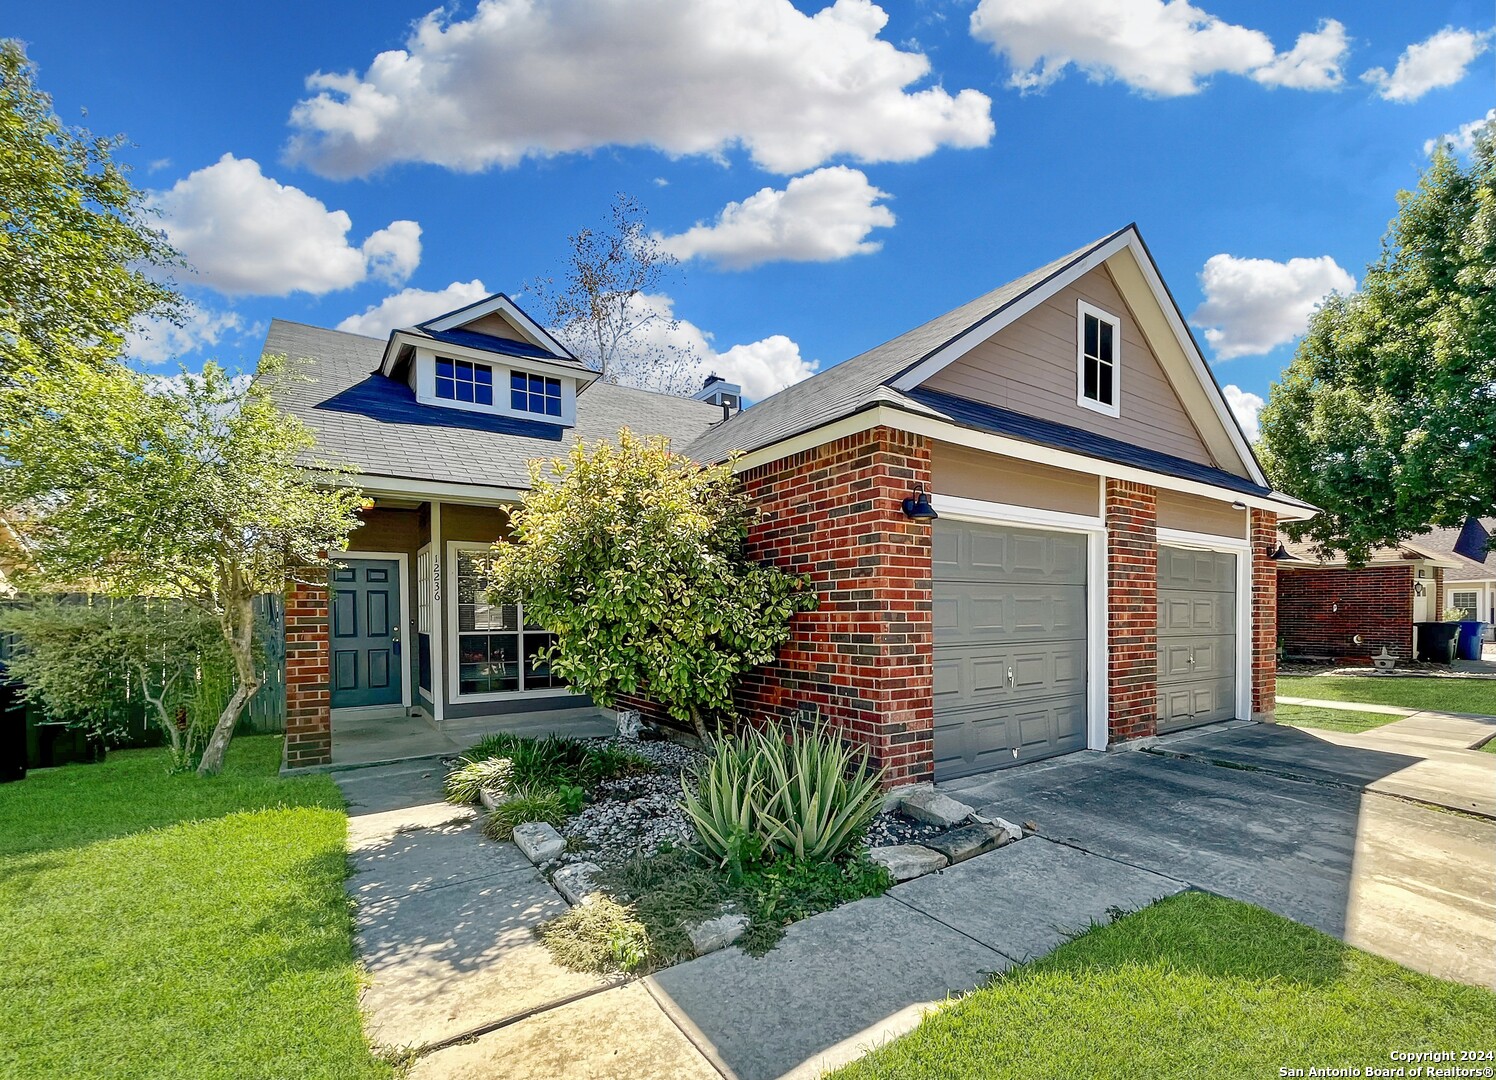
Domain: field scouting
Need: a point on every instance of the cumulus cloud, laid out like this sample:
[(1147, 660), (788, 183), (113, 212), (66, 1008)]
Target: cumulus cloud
[(1439, 61), (519, 79), (411, 306), (1246, 406), (157, 341), (820, 217), (243, 232), (1462, 139), (1254, 305), (1314, 62)]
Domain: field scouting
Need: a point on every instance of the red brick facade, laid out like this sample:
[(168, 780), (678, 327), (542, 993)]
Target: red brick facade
[(308, 697), (1320, 611), (1132, 610), (1263, 535)]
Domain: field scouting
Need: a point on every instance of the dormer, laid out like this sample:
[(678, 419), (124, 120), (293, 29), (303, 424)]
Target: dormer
[(489, 357)]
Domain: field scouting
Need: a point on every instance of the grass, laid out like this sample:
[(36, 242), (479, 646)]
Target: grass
[(1195, 985), (1411, 692), (1313, 716), (1489, 747), (171, 926)]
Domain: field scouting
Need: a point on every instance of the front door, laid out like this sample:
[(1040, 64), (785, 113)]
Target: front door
[(366, 665)]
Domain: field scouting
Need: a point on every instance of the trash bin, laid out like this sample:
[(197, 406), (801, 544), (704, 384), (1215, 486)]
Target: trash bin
[(12, 732), (1437, 641), (1471, 632)]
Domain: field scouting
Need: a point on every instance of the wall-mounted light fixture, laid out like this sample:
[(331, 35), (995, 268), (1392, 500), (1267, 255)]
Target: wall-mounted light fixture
[(917, 506), (1238, 505), (1419, 589), (1281, 554)]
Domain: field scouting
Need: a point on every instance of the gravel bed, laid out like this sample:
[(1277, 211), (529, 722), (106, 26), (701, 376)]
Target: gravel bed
[(633, 814), (892, 827)]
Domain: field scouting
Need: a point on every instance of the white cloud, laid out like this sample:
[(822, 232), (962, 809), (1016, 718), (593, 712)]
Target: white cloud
[(820, 217), (245, 233), (521, 79), (1246, 406), (157, 341), (1462, 139), (1254, 305), (1440, 61), (1314, 62), (411, 306)]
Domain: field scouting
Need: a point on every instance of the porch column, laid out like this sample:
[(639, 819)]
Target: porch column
[(1132, 610), (308, 696), (438, 617), (1264, 539)]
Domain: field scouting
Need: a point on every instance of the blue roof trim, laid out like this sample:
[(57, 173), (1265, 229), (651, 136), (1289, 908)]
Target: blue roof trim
[(472, 339), (390, 401), (1000, 421)]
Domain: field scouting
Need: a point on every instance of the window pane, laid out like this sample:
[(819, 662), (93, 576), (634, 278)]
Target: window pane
[(465, 370), (1105, 396), (1106, 342), (1093, 325), (537, 384), (444, 388), (537, 403), (553, 406), (472, 679), (1089, 389), (483, 374), (537, 669), (443, 368), (504, 663), (472, 649), (519, 400), (484, 394), (517, 381)]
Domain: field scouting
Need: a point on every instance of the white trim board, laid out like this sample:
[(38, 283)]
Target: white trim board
[(407, 615), (510, 310), (1114, 408), (431, 490)]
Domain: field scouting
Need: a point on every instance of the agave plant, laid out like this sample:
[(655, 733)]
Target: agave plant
[(724, 800), (821, 797)]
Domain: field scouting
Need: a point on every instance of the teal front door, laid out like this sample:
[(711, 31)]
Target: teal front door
[(366, 663)]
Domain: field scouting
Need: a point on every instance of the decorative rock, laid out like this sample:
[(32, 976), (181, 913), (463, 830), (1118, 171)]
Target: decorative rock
[(575, 882), (969, 841), (905, 861), (491, 798), (539, 841), (935, 808), (895, 796), (987, 816), (717, 933), (629, 723)]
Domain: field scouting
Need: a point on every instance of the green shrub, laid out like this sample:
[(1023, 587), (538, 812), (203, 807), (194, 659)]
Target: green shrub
[(524, 803), (498, 744), (727, 799), (788, 890), (669, 891), (601, 936), (610, 762), (464, 783)]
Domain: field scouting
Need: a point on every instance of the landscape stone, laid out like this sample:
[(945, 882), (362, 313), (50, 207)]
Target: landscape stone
[(905, 861), (988, 815), (539, 841), (575, 882), (935, 808), (717, 933), (491, 798), (969, 841)]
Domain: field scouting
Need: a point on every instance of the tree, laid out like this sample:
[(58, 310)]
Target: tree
[(633, 557), (1386, 418), (608, 309), (195, 488), (76, 241)]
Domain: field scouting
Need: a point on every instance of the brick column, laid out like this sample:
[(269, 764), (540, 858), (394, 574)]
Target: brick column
[(1264, 541), (863, 660), (1132, 610), (308, 701), (1438, 612)]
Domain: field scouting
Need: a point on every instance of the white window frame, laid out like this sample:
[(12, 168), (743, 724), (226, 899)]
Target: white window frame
[(423, 590), (1473, 606), (454, 655), (1082, 309)]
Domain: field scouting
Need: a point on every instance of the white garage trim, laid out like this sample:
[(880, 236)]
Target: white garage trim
[(1242, 549), (1097, 673)]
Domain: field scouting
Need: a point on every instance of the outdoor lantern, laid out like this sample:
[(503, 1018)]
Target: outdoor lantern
[(917, 506), (1419, 589), (1282, 555), (1238, 505)]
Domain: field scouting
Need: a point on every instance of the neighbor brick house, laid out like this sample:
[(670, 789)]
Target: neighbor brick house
[(1100, 570)]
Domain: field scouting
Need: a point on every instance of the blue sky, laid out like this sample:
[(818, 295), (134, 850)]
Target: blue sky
[(889, 163)]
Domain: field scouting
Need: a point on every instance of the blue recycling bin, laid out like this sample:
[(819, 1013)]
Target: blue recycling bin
[(1470, 635)]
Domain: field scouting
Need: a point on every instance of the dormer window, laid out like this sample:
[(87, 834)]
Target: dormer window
[(1098, 360), (534, 394), (463, 380)]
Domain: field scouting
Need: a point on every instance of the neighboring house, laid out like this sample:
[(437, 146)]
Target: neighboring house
[(1101, 569), (1470, 584)]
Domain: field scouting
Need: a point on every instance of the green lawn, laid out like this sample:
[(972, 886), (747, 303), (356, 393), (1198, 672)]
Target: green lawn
[(160, 926), (1193, 986), (1411, 692), (1332, 719)]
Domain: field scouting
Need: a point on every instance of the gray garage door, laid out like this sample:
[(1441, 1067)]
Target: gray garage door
[(1010, 646), (1196, 637)]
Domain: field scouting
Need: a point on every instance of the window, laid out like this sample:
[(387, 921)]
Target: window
[(423, 590), (463, 380), (1468, 602), (534, 393), (1098, 356), (496, 652)]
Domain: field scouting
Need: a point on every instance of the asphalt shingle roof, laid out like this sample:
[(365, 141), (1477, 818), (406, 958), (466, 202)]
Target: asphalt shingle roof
[(375, 424), (1467, 545)]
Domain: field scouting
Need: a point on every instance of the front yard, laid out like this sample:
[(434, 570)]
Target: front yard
[(1410, 692), (1195, 985), (158, 926)]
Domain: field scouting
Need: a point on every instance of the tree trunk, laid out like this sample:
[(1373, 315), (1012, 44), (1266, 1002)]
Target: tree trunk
[(699, 723), (239, 631)]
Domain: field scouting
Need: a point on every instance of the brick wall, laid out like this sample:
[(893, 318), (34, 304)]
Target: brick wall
[(1437, 614), (1263, 535), (1132, 610), (1321, 610), (308, 701)]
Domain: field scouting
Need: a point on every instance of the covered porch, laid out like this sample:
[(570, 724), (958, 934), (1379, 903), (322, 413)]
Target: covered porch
[(364, 742)]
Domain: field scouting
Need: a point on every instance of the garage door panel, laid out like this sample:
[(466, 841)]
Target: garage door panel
[(993, 613), (1196, 637), (966, 551), (1199, 571), (1186, 613), (977, 740), (1190, 704), (976, 675)]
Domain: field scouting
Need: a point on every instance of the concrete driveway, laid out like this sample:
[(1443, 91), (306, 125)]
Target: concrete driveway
[(1406, 881)]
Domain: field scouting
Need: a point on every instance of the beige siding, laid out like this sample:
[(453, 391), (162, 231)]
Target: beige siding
[(495, 325), (1195, 513), (478, 524), (972, 474), (1029, 367)]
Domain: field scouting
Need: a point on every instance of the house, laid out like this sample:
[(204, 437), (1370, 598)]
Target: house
[(1100, 569), (1330, 611)]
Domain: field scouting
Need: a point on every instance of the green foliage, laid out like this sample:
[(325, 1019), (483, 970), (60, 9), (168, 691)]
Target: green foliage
[(634, 558), (726, 799), (525, 802), (495, 744), (600, 936), (788, 890), (1386, 418), (77, 246), (195, 489), (464, 783)]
